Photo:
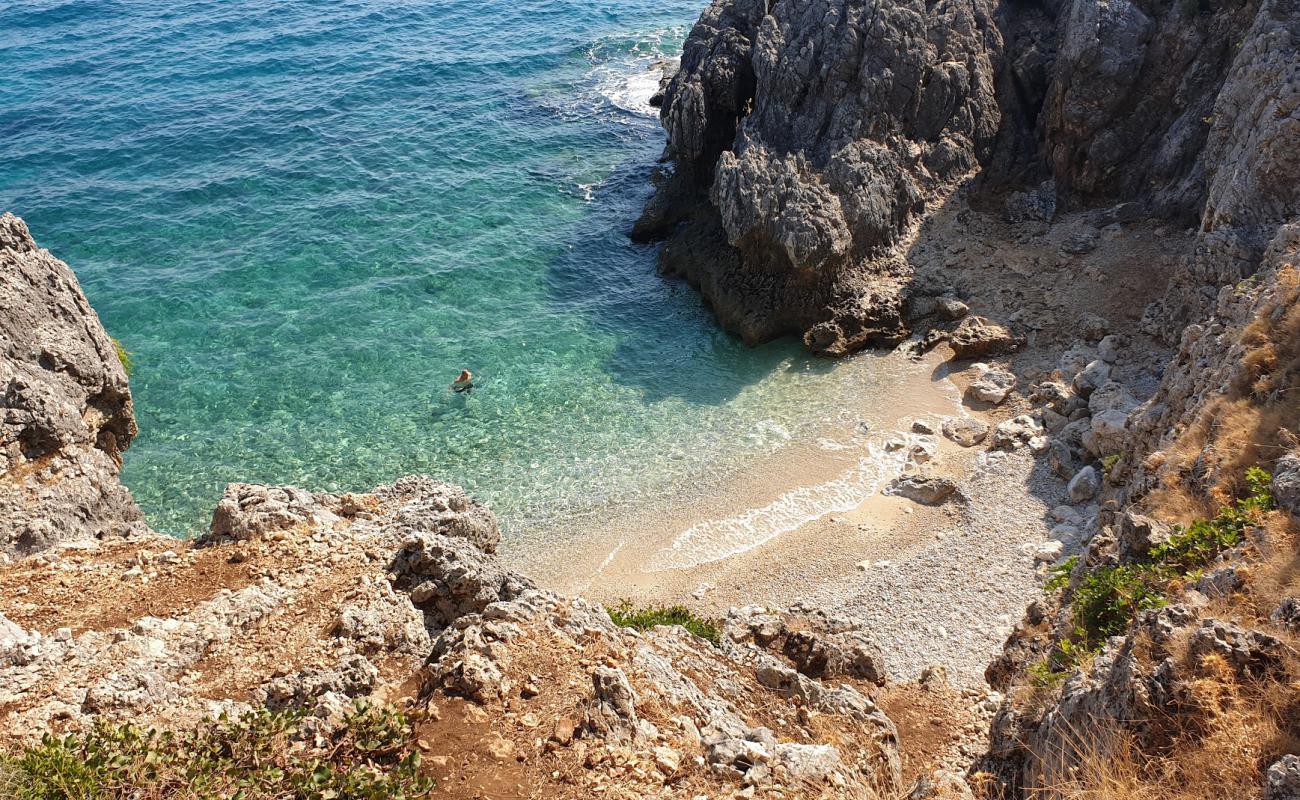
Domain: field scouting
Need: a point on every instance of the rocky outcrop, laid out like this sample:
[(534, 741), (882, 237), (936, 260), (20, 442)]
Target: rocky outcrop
[(66, 408), (807, 139), (315, 601)]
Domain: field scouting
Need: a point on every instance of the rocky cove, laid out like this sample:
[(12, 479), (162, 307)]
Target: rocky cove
[(1085, 216)]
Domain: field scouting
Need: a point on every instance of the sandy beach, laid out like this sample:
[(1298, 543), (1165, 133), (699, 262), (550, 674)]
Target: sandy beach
[(811, 523)]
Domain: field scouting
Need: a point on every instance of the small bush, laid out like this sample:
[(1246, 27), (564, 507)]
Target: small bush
[(261, 755), (123, 355), (643, 619), (1109, 597), (1060, 575), (1108, 464)]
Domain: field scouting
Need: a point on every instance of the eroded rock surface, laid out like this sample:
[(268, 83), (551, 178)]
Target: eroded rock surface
[(807, 139), (65, 408)]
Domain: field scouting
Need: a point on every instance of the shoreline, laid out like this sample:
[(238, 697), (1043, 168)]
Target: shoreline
[(909, 568)]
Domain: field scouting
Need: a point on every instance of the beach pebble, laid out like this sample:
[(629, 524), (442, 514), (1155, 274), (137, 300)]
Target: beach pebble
[(1049, 551), (922, 426)]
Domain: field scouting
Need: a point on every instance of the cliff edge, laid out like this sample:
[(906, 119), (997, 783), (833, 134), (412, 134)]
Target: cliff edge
[(67, 414)]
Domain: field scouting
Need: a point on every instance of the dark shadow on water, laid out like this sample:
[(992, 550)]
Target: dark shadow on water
[(669, 344)]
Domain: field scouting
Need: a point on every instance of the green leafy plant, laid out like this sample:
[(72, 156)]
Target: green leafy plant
[(642, 619), (261, 755), (1042, 676), (123, 355), (1059, 575), (1108, 463), (1109, 597)]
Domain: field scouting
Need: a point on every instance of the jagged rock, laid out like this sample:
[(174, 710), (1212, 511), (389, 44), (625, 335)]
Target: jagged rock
[(353, 676), (1093, 327), (794, 207), (1106, 435), (1055, 394), (1286, 483), (1111, 396), (1138, 534), (448, 578), (1080, 242), (926, 490), (965, 431), (805, 764), (248, 510), (1091, 377), (65, 408), (1049, 551), (977, 336), (1020, 431), (1286, 614), (950, 308), (1108, 348), (992, 386), (1282, 781), (1221, 582), (611, 712), (942, 785), (1248, 652), (1036, 205), (1075, 358), (851, 654), (430, 505)]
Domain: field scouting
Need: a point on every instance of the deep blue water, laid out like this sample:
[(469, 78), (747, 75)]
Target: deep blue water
[(304, 218)]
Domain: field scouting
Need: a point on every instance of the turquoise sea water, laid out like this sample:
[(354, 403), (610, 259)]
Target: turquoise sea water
[(305, 217)]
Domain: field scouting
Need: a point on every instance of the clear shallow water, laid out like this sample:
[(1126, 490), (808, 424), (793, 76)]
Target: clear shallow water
[(304, 217)]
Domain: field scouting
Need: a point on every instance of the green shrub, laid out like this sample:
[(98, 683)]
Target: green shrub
[(1059, 575), (123, 355), (1108, 464), (643, 619), (261, 755), (1201, 542), (1109, 597)]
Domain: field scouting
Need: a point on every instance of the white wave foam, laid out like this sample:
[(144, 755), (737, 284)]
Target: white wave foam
[(627, 76), (715, 540), (632, 92)]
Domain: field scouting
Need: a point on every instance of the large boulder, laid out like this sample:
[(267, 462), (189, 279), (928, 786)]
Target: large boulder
[(807, 139)]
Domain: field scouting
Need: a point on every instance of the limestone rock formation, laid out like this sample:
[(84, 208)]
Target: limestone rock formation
[(807, 139), (66, 407)]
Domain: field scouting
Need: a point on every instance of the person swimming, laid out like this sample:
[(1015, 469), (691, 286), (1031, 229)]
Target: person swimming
[(463, 383)]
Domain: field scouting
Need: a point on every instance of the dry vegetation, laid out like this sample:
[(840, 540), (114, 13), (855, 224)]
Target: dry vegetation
[(1253, 423)]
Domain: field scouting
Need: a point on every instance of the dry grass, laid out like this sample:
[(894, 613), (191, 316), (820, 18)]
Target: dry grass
[(1252, 424), (1246, 732), (1229, 730)]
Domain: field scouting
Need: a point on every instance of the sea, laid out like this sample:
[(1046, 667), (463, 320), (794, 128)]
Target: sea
[(303, 219)]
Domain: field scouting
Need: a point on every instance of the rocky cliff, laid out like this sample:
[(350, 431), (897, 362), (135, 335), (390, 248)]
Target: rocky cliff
[(809, 140), (66, 407)]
